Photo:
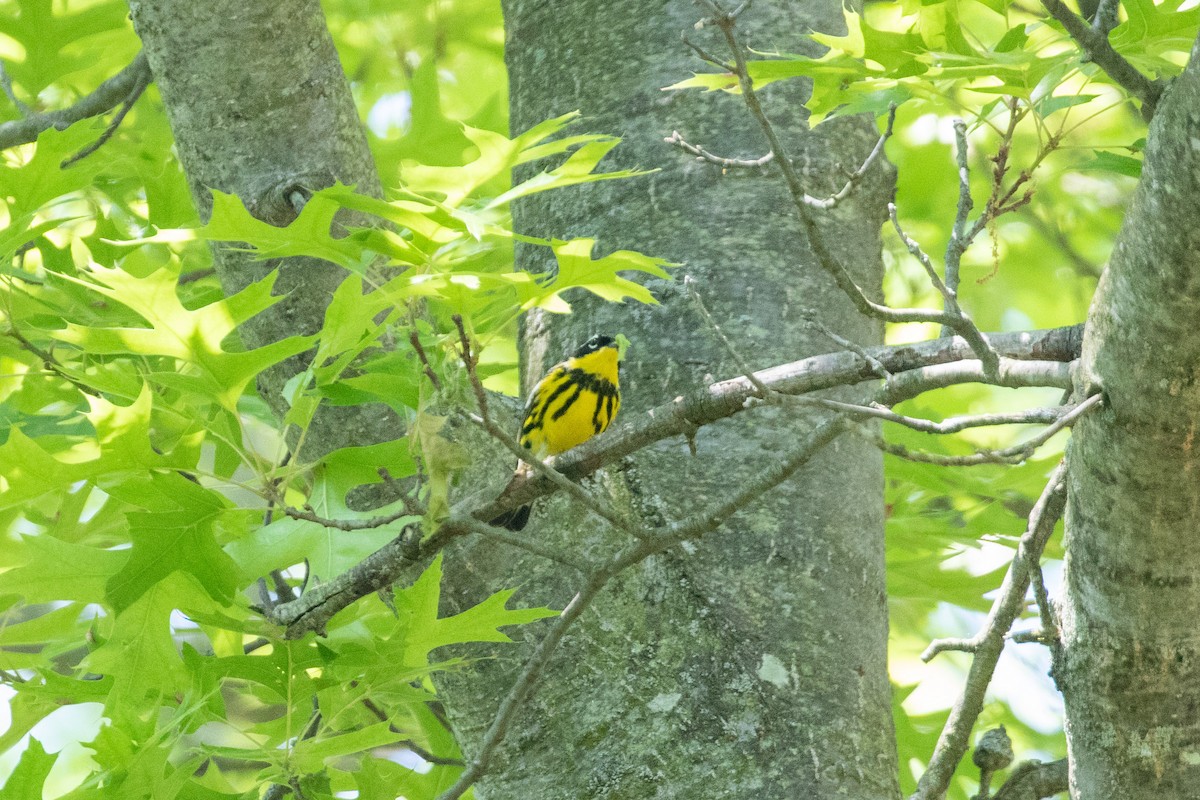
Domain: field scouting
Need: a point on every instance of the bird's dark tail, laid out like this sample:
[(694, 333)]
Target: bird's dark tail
[(514, 520)]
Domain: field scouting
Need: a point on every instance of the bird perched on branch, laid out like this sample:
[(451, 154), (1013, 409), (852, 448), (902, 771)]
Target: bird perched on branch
[(575, 401)]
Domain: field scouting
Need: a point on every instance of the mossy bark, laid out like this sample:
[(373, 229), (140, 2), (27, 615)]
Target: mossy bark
[(1131, 672), (752, 662)]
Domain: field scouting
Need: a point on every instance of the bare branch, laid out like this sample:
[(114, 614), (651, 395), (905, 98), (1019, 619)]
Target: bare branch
[(1012, 374), (989, 643), (1098, 49), (1106, 16), (1034, 780), (726, 398), (527, 680), (7, 86), (1029, 416), (958, 238), (134, 93), (689, 285), (106, 96), (1008, 455), (856, 177), (703, 155), (811, 321)]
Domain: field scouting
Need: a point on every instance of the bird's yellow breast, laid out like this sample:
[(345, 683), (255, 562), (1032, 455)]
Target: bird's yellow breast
[(574, 402)]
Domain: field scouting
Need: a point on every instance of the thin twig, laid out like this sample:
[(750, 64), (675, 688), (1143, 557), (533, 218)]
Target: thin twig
[(705, 55), (415, 340), (812, 322), (7, 85), (1048, 635), (409, 744), (520, 542), (703, 155), (689, 285), (134, 93), (1031, 416), (278, 790), (922, 257), (856, 177), (825, 203), (958, 239), (959, 322), (106, 97), (370, 523), (1106, 17), (1015, 454), (989, 643), (1098, 49), (50, 362), (527, 680)]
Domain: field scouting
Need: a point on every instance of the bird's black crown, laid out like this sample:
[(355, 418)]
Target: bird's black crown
[(597, 342)]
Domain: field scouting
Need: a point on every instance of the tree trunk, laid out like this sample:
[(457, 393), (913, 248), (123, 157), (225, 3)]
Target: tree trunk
[(260, 108), (754, 662), (1131, 672)]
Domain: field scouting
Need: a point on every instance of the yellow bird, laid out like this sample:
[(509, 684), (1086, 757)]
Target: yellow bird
[(575, 401)]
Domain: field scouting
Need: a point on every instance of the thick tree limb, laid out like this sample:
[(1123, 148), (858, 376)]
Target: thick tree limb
[(679, 417), (1094, 42), (106, 97), (1034, 780)]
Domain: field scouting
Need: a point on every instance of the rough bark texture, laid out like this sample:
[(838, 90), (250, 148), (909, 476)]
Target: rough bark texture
[(260, 108), (1131, 674), (754, 662)]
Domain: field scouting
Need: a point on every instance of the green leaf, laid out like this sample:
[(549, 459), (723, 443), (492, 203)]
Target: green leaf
[(419, 631), (31, 472), (194, 336), (140, 653), (310, 755), (27, 780), (600, 276), (578, 168), (41, 179), (1013, 39), (41, 577), (174, 534), (287, 542), (1050, 104), (1112, 162)]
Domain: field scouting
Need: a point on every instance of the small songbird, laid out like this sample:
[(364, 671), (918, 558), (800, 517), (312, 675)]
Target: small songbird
[(575, 401)]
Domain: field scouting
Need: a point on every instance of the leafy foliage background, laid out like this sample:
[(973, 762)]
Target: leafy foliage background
[(126, 586)]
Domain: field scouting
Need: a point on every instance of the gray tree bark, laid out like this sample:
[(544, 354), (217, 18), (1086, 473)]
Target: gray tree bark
[(260, 108), (1131, 670), (754, 662)]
